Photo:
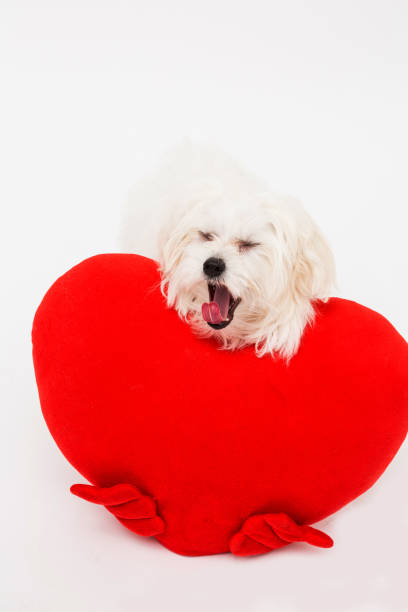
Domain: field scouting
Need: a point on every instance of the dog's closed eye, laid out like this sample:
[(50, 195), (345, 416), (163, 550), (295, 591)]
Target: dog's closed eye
[(208, 236), (245, 245)]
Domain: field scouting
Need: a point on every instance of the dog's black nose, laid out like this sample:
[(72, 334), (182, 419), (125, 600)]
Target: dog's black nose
[(213, 267)]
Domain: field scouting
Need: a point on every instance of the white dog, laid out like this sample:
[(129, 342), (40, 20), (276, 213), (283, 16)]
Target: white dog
[(237, 262)]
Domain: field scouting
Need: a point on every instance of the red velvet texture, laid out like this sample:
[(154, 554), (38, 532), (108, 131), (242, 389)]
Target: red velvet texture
[(207, 450)]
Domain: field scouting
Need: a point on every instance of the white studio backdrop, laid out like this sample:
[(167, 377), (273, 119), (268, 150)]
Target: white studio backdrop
[(311, 95)]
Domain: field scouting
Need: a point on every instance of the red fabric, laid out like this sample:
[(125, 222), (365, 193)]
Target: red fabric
[(264, 532), (214, 438), (136, 511)]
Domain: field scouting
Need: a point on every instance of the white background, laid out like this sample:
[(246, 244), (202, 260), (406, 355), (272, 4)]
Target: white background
[(313, 96)]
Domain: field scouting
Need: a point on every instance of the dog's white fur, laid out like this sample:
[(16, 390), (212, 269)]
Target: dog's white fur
[(199, 189)]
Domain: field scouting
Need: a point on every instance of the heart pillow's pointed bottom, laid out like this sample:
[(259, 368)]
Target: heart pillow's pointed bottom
[(262, 533)]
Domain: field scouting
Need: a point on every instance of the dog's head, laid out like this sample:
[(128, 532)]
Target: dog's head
[(246, 269)]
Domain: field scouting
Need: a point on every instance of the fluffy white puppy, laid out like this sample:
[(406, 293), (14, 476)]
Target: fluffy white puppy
[(237, 262)]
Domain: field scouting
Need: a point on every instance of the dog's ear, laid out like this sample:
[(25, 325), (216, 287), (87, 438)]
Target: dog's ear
[(308, 257), (171, 246), (314, 273)]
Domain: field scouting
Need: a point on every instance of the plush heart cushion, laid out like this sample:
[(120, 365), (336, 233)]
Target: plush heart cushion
[(212, 450)]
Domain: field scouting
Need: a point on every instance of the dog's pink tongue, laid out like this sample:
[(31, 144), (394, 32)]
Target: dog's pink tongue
[(217, 311), (211, 312)]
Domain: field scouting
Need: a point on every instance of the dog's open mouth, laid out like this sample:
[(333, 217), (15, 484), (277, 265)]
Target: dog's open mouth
[(219, 311)]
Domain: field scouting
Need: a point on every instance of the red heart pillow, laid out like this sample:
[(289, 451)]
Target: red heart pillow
[(211, 450)]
